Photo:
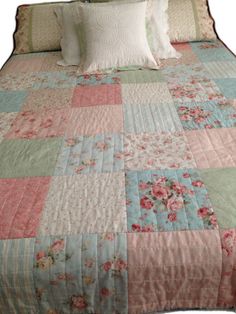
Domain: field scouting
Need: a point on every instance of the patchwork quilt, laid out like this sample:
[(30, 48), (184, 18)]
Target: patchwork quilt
[(118, 191)]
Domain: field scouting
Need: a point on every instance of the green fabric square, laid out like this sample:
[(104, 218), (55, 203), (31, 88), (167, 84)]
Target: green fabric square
[(140, 76), (28, 158), (221, 186), (11, 101)]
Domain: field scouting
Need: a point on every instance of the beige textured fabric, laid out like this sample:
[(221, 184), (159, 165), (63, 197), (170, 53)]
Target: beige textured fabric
[(189, 20), (37, 28), (115, 36)]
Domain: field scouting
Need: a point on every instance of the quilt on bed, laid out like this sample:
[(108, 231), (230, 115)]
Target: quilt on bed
[(118, 192)]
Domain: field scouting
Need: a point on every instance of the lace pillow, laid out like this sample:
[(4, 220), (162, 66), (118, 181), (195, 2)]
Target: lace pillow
[(157, 30), (114, 36), (70, 43)]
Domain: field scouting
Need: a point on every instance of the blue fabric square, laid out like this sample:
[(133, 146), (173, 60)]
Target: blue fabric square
[(227, 87), (167, 200), (212, 51), (209, 114), (11, 101)]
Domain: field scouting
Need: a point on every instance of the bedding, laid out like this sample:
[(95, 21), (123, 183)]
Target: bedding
[(117, 191), (114, 36), (70, 34)]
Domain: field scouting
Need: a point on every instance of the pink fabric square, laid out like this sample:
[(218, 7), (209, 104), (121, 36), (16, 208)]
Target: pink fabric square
[(39, 124), (22, 202), (170, 270), (182, 46), (95, 120), (22, 65), (213, 148), (105, 94)]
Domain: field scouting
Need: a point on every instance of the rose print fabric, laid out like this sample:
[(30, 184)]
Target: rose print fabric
[(117, 191)]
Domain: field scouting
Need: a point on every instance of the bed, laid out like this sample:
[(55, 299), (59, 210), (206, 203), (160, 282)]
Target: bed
[(117, 191)]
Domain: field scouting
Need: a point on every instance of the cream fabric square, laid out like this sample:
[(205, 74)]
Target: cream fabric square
[(85, 203), (151, 93), (115, 36)]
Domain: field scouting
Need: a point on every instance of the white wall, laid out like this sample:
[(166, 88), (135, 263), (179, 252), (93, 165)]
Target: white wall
[(222, 10)]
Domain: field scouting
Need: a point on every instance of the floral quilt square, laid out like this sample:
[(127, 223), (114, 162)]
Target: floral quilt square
[(89, 154), (12, 101), (220, 184), (98, 79), (106, 94), (94, 120), (195, 91), (167, 200), (213, 148), (22, 202), (212, 51), (46, 99), (26, 81), (68, 211), (208, 115), (38, 124), (157, 151), (144, 118), (184, 73), (28, 158), (146, 94), (6, 119), (56, 266)]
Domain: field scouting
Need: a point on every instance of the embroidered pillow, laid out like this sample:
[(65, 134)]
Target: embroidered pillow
[(115, 36), (37, 28), (190, 20)]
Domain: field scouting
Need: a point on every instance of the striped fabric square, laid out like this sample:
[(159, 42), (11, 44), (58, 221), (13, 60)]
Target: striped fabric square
[(151, 118), (169, 274), (90, 154), (17, 288)]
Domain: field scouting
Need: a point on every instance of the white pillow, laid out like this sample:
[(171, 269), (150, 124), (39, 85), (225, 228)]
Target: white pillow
[(157, 30), (114, 36), (70, 47)]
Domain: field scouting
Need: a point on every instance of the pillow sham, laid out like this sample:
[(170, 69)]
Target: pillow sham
[(114, 36), (37, 28), (70, 43), (190, 20)]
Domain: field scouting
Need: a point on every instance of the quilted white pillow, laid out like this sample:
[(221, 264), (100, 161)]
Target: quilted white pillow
[(70, 43), (114, 36)]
